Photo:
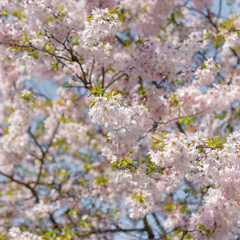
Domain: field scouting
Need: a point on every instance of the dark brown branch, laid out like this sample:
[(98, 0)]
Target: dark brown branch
[(211, 21), (75, 59), (21, 183), (55, 224), (148, 228), (158, 223), (35, 141), (115, 79), (90, 77), (180, 127), (103, 77), (121, 41), (44, 155)]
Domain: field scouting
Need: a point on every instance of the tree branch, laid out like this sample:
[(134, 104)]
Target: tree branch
[(148, 228), (44, 154), (21, 183)]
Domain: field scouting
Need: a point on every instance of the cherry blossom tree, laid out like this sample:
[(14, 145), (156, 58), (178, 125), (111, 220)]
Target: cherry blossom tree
[(119, 120)]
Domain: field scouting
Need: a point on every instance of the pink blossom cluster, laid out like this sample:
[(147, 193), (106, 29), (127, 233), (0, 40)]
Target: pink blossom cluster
[(15, 233), (119, 117), (125, 123), (102, 24)]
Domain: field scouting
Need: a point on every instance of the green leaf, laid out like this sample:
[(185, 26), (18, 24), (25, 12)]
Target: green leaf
[(215, 143), (174, 101), (161, 171), (139, 41), (35, 55), (188, 236), (72, 211), (114, 211), (169, 207), (156, 143), (2, 236), (208, 231), (139, 197), (201, 226), (129, 154)]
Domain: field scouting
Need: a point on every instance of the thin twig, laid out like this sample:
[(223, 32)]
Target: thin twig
[(114, 80), (90, 77), (191, 115), (103, 77), (43, 156)]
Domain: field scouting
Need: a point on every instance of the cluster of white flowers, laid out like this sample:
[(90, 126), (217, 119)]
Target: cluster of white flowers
[(140, 203), (191, 100), (190, 46), (146, 62), (100, 52), (176, 153), (148, 16), (40, 210), (231, 40), (16, 234), (217, 216), (110, 112), (75, 135), (174, 219), (125, 123), (153, 60), (102, 24), (202, 161), (143, 192), (206, 74), (15, 139)]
